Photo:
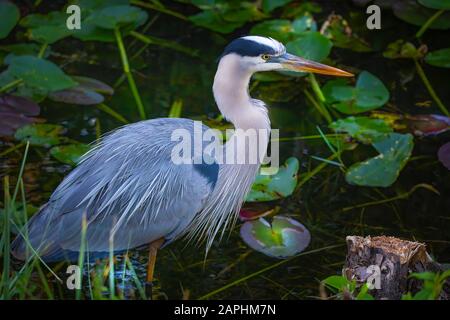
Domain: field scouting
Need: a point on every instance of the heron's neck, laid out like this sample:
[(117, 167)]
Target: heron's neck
[(231, 94)]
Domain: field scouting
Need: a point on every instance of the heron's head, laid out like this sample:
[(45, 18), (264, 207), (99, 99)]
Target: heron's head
[(256, 53)]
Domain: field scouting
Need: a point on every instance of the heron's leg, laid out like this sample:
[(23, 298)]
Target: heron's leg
[(152, 251)]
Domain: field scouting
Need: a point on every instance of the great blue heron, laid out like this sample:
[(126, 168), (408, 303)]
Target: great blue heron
[(131, 193)]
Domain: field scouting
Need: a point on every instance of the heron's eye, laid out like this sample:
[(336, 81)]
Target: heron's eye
[(265, 57)]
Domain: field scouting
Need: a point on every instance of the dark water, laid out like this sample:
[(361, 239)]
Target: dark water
[(164, 75)]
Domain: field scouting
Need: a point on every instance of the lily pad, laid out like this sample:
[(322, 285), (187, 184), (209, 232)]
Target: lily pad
[(369, 93), (273, 187), (311, 45), (283, 238), (364, 129), (427, 124), (256, 210), (383, 170), (69, 154), (444, 155), (439, 58), (39, 73), (341, 34), (9, 15), (40, 134), (401, 49), (225, 16), (285, 30), (436, 4), (112, 17), (414, 13), (269, 5), (47, 28)]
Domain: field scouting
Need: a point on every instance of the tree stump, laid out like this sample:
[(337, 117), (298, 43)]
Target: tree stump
[(394, 260)]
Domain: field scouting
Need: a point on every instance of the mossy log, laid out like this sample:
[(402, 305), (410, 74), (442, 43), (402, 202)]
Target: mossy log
[(394, 260)]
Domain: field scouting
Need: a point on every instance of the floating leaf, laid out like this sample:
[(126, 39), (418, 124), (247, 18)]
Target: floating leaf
[(284, 30), (427, 124), (312, 45), (280, 185), (86, 93), (94, 85), (225, 17), (69, 154), (369, 93), (15, 112), (39, 73), (283, 238), (25, 49), (363, 129), (77, 95), (119, 16), (256, 210), (444, 155), (47, 28), (439, 58), (40, 134), (9, 15), (383, 170), (269, 5), (342, 35), (436, 4)]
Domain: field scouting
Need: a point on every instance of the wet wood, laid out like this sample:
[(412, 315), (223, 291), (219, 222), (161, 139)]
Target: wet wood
[(395, 259)]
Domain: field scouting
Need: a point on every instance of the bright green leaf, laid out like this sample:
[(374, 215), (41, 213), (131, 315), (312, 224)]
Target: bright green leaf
[(280, 185), (69, 154), (119, 16)]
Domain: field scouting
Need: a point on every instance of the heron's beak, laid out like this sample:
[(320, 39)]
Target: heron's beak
[(294, 63)]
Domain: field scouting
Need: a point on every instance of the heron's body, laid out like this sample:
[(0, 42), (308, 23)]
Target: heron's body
[(130, 191)]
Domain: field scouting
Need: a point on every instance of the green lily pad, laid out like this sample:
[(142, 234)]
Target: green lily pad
[(283, 238), (414, 13), (25, 49), (284, 30), (277, 186), (39, 73), (436, 4), (69, 154), (40, 134), (46, 28), (9, 15), (225, 16), (342, 36), (369, 93), (364, 129), (112, 17), (383, 170), (439, 58)]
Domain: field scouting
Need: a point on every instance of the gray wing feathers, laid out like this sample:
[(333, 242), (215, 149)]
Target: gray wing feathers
[(128, 188)]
